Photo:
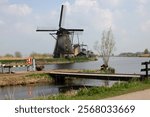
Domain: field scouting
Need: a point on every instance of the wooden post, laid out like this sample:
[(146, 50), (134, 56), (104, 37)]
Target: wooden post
[(9, 69), (2, 69), (33, 64), (28, 66), (146, 69)]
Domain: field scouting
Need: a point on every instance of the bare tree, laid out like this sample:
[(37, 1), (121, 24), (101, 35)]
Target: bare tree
[(106, 47)]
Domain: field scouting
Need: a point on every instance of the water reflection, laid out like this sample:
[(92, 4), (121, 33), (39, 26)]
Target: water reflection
[(62, 66), (25, 92), (36, 90)]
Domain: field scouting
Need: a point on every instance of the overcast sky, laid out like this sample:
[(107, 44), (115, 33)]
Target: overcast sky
[(19, 19)]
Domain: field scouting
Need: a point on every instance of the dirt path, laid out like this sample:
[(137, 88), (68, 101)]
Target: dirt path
[(139, 95)]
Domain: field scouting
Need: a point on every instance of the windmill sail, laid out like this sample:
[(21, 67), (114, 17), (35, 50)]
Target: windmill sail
[(63, 44), (61, 15)]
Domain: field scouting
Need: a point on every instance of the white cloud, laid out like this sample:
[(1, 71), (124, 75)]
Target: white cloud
[(145, 26), (90, 13), (2, 22), (23, 27), (81, 6), (115, 2), (111, 3), (3, 1), (141, 10), (86, 3), (142, 1), (141, 7), (16, 9)]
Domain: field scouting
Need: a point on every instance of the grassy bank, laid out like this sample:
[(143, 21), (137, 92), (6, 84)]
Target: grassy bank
[(23, 79), (101, 92), (46, 60)]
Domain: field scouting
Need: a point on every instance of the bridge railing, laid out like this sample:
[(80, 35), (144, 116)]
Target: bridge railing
[(5, 67)]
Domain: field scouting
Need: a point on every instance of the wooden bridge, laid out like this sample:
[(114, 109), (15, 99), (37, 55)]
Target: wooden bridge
[(60, 76)]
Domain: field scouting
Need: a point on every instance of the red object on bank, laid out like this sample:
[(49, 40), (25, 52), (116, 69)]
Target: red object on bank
[(29, 61)]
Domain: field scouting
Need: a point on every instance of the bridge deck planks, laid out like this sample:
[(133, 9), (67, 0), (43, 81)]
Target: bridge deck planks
[(121, 77)]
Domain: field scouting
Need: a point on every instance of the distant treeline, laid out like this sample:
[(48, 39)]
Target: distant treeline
[(34, 55), (145, 53)]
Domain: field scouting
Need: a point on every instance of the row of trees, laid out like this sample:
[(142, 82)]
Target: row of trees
[(16, 54), (35, 55)]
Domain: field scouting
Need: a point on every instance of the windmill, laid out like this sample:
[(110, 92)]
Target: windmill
[(63, 44)]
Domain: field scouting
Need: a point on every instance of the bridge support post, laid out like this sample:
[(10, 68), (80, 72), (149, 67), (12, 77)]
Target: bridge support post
[(9, 70), (59, 79), (2, 69)]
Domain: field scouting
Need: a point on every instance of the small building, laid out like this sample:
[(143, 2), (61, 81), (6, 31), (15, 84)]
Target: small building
[(76, 49), (82, 52)]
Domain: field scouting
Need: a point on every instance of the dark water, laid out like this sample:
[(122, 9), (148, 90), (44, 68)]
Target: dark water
[(121, 64)]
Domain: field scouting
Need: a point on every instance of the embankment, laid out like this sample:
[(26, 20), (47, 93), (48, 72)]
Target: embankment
[(24, 79), (28, 77)]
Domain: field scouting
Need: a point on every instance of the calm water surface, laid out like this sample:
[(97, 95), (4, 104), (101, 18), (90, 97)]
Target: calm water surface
[(129, 65)]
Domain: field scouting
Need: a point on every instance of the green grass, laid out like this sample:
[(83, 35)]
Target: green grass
[(98, 71), (38, 75), (102, 92), (71, 60), (12, 61), (49, 60)]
